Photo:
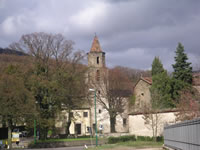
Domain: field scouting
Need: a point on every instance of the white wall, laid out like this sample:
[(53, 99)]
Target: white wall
[(137, 124), (78, 119)]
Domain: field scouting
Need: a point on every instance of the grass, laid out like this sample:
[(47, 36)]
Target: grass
[(141, 144), (64, 140), (133, 144)]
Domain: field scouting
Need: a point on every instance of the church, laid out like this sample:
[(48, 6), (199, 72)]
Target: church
[(128, 122), (83, 122)]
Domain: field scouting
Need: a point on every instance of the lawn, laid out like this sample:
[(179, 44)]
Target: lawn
[(64, 140), (130, 144)]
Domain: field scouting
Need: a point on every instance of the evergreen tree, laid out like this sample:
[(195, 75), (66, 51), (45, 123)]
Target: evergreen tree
[(182, 68), (157, 67), (161, 85)]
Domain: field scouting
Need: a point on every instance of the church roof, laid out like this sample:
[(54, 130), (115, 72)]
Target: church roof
[(147, 79), (95, 45)]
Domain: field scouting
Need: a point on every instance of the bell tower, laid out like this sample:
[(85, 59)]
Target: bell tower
[(96, 60)]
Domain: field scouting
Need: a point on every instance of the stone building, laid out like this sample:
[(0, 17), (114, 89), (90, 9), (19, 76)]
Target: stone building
[(96, 61), (97, 75), (131, 121), (137, 125), (142, 93), (83, 122)]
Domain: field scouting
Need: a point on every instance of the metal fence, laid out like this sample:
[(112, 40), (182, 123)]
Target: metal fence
[(183, 136)]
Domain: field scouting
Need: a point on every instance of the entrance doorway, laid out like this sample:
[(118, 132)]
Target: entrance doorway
[(78, 128)]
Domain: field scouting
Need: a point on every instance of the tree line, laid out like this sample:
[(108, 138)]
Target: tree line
[(171, 88), (173, 91), (40, 85)]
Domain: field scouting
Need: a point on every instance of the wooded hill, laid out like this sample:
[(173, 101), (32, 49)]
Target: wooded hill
[(10, 51)]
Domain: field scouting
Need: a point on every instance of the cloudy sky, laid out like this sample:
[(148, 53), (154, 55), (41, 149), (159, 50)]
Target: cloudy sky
[(131, 32)]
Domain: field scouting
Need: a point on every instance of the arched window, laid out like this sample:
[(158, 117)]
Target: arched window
[(97, 60)]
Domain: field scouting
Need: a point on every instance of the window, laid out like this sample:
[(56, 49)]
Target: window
[(142, 94), (97, 75), (71, 114), (99, 92), (124, 121), (88, 129), (97, 60), (85, 114), (99, 111)]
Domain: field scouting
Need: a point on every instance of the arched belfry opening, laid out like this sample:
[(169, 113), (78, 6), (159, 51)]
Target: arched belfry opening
[(97, 60)]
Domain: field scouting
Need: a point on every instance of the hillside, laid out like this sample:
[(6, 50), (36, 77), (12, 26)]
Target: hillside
[(11, 52)]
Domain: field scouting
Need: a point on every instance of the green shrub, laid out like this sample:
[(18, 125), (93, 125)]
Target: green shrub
[(112, 140), (159, 138), (144, 138), (147, 138)]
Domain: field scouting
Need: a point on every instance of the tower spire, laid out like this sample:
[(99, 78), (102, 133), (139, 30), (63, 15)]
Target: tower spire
[(95, 45)]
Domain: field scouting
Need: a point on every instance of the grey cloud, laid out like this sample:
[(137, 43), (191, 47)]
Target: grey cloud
[(131, 32)]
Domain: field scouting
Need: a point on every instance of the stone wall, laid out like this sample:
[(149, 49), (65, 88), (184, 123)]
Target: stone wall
[(142, 94), (138, 127)]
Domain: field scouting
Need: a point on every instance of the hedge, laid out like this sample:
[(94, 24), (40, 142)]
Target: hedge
[(112, 140)]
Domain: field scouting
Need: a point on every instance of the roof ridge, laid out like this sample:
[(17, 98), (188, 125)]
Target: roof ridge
[(146, 80)]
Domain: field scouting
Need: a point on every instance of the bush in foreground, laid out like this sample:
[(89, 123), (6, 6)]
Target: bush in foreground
[(112, 140)]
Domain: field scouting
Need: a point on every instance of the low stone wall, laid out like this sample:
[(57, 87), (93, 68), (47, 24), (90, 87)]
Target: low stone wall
[(68, 144)]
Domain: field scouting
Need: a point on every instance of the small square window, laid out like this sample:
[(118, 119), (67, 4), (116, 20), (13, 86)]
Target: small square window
[(99, 111), (85, 114), (142, 94)]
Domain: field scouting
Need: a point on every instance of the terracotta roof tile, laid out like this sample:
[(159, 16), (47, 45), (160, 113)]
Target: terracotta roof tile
[(95, 45), (147, 79)]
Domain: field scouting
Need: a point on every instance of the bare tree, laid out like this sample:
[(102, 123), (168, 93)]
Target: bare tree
[(188, 106), (73, 88), (115, 88), (151, 113), (58, 75), (43, 47)]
